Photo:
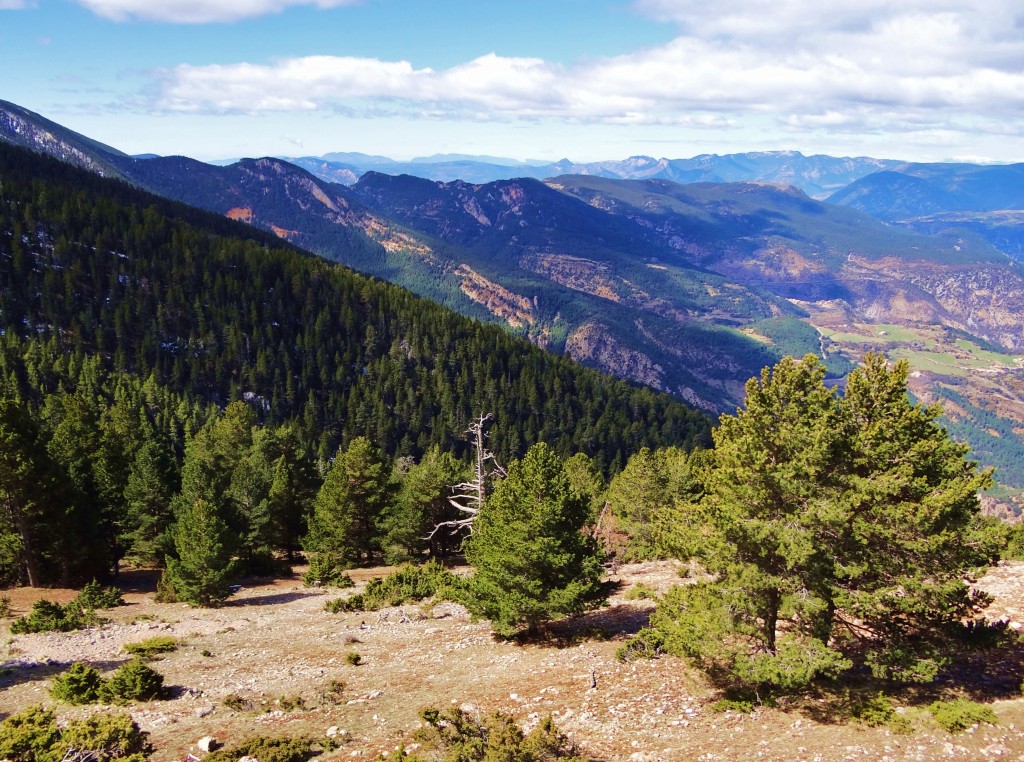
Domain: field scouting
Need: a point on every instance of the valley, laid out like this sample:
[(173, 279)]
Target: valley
[(664, 284)]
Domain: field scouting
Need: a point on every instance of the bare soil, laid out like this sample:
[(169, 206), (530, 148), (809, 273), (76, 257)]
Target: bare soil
[(273, 644)]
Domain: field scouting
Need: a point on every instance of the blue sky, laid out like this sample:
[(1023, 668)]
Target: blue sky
[(923, 80)]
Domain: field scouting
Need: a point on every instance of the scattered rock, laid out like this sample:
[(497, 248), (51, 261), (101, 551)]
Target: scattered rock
[(208, 743), (203, 711)]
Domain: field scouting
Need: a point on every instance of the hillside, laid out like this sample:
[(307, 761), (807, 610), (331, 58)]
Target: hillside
[(217, 309), (915, 190), (241, 670), (688, 289)]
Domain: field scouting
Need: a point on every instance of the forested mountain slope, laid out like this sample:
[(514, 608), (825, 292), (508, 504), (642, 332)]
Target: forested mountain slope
[(221, 311)]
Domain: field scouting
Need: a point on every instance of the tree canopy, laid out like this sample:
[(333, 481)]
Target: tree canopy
[(531, 560), (833, 525)]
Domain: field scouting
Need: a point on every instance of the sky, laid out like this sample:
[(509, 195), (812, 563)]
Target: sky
[(588, 80)]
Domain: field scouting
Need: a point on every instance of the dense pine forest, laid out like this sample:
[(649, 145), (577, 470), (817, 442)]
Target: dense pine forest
[(130, 323)]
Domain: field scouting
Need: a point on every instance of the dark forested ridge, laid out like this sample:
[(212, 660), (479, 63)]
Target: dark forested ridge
[(220, 311)]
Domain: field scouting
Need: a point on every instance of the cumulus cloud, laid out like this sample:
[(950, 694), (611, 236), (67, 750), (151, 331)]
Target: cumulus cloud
[(930, 66), (195, 11)]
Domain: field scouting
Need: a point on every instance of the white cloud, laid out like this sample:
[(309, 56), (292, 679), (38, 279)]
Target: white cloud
[(16, 5), (195, 11), (933, 68)]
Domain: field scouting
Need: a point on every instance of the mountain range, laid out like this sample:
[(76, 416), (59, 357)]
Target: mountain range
[(687, 276)]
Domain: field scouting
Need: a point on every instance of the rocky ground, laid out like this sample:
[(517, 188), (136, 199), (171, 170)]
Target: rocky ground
[(274, 645)]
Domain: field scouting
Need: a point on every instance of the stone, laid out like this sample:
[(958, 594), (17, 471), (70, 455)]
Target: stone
[(207, 743)]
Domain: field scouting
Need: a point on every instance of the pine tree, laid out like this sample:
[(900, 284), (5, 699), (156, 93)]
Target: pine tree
[(349, 505), (422, 503), (532, 561), (33, 495), (834, 520), (203, 570), (148, 494)]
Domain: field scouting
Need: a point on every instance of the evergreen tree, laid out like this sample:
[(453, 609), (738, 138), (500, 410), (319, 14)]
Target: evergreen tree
[(637, 494), (532, 561), (344, 526), (911, 499), (203, 569), (836, 521), (33, 496), (422, 503), (148, 494)]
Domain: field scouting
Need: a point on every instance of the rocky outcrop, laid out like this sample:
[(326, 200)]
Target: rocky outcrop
[(593, 344)]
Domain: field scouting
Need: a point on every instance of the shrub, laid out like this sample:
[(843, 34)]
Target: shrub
[(408, 584), (353, 658), (83, 684), (325, 570), (460, 736), (338, 605), (106, 737), (641, 592), (33, 735), (47, 616), (80, 684), (959, 714), (152, 647), (291, 703), (901, 725), (29, 735), (165, 592), (646, 644), (237, 703), (874, 711), (740, 706), (5, 606), (267, 749), (134, 681), (332, 692), (93, 596)]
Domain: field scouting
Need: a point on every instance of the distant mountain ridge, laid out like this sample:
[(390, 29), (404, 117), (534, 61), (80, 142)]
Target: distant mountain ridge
[(817, 176)]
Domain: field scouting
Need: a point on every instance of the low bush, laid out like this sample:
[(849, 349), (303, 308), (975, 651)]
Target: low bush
[(80, 684), (353, 658), (134, 681), (291, 703), (739, 706), (408, 584), (94, 596), (151, 648), (237, 703), (269, 749), (5, 606), (460, 736), (646, 644), (83, 684), (959, 714), (325, 571), (33, 735), (874, 711), (641, 592), (47, 616)]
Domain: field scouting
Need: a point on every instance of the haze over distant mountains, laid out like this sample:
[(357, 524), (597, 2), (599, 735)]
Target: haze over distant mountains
[(817, 176), (687, 276)]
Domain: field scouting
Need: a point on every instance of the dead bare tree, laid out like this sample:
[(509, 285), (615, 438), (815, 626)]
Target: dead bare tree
[(469, 496)]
